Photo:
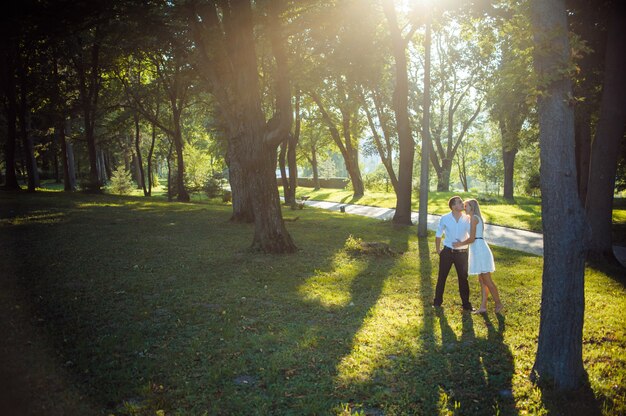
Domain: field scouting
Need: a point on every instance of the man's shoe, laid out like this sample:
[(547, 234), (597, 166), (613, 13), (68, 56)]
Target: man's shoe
[(468, 309)]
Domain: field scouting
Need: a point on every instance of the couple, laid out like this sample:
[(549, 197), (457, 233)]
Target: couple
[(462, 230)]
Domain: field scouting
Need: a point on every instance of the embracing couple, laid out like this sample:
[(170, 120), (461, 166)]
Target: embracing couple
[(464, 246)]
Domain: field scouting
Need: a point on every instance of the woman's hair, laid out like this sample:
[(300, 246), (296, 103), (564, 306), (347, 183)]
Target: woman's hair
[(475, 208)]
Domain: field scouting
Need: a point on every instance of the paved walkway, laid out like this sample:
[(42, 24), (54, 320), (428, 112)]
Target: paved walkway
[(522, 240)]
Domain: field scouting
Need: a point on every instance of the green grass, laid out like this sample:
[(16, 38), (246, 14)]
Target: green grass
[(151, 306), (524, 214)]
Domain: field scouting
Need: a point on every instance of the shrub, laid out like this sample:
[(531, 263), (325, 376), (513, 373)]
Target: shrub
[(213, 185), (121, 181)]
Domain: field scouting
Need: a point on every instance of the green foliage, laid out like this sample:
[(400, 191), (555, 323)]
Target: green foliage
[(121, 181), (532, 185), (197, 169), (213, 186), (378, 180)]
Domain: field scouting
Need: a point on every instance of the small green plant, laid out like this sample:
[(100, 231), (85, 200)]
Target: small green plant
[(121, 181), (353, 245)]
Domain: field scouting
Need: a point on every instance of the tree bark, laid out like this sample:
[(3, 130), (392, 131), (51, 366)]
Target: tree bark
[(10, 109), (558, 361), (400, 105), (88, 87), (142, 178), (24, 123), (583, 152), (422, 222), (314, 168), (605, 149)]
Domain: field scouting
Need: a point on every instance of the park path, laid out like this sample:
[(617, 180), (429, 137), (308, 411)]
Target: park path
[(513, 238)]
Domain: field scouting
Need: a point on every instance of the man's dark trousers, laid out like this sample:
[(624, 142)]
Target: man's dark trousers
[(447, 258)]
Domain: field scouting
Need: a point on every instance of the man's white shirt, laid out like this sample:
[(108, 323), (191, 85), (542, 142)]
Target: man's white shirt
[(453, 230)]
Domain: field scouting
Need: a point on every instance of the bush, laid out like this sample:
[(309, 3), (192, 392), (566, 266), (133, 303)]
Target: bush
[(532, 186), (378, 180), (213, 185), (121, 181)]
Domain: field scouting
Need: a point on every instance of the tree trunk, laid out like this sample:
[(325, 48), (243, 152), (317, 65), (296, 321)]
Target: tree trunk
[(291, 152), (422, 223), (559, 353), (8, 67), (243, 211), (314, 168), (70, 180), (142, 178), (88, 91), (27, 140), (443, 176), (583, 152), (183, 195), (605, 149), (400, 105), (508, 159)]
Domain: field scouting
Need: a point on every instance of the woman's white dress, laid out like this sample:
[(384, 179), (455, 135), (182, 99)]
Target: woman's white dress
[(480, 256)]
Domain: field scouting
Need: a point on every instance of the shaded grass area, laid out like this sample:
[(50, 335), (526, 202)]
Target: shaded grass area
[(524, 214), (143, 306)]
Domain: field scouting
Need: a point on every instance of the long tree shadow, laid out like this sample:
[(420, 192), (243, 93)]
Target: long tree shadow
[(456, 368)]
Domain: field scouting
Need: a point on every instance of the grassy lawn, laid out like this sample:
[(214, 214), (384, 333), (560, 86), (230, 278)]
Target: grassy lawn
[(525, 213), (130, 306)]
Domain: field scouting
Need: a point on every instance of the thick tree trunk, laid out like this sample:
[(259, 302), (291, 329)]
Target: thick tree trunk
[(508, 159), (605, 149), (89, 90), (583, 152), (559, 353), (443, 175), (27, 140), (242, 203), (400, 105), (11, 121)]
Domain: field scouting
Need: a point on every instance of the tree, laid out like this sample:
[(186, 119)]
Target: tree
[(343, 136), (225, 36), (453, 92), (509, 95), (422, 224), (8, 58), (605, 149), (399, 44), (559, 353)]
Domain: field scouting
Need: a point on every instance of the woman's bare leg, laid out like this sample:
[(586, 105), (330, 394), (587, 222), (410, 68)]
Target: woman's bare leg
[(484, 291), (488, 281)]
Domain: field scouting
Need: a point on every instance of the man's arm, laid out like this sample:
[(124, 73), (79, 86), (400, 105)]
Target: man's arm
[(438, 245)]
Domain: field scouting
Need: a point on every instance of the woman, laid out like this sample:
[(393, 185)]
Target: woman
[(480, 256)]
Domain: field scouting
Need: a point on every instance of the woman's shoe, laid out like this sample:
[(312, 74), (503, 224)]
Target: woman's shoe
[(480, 310)]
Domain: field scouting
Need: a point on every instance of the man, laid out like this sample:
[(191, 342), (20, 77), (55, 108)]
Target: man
[(456, 227)]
